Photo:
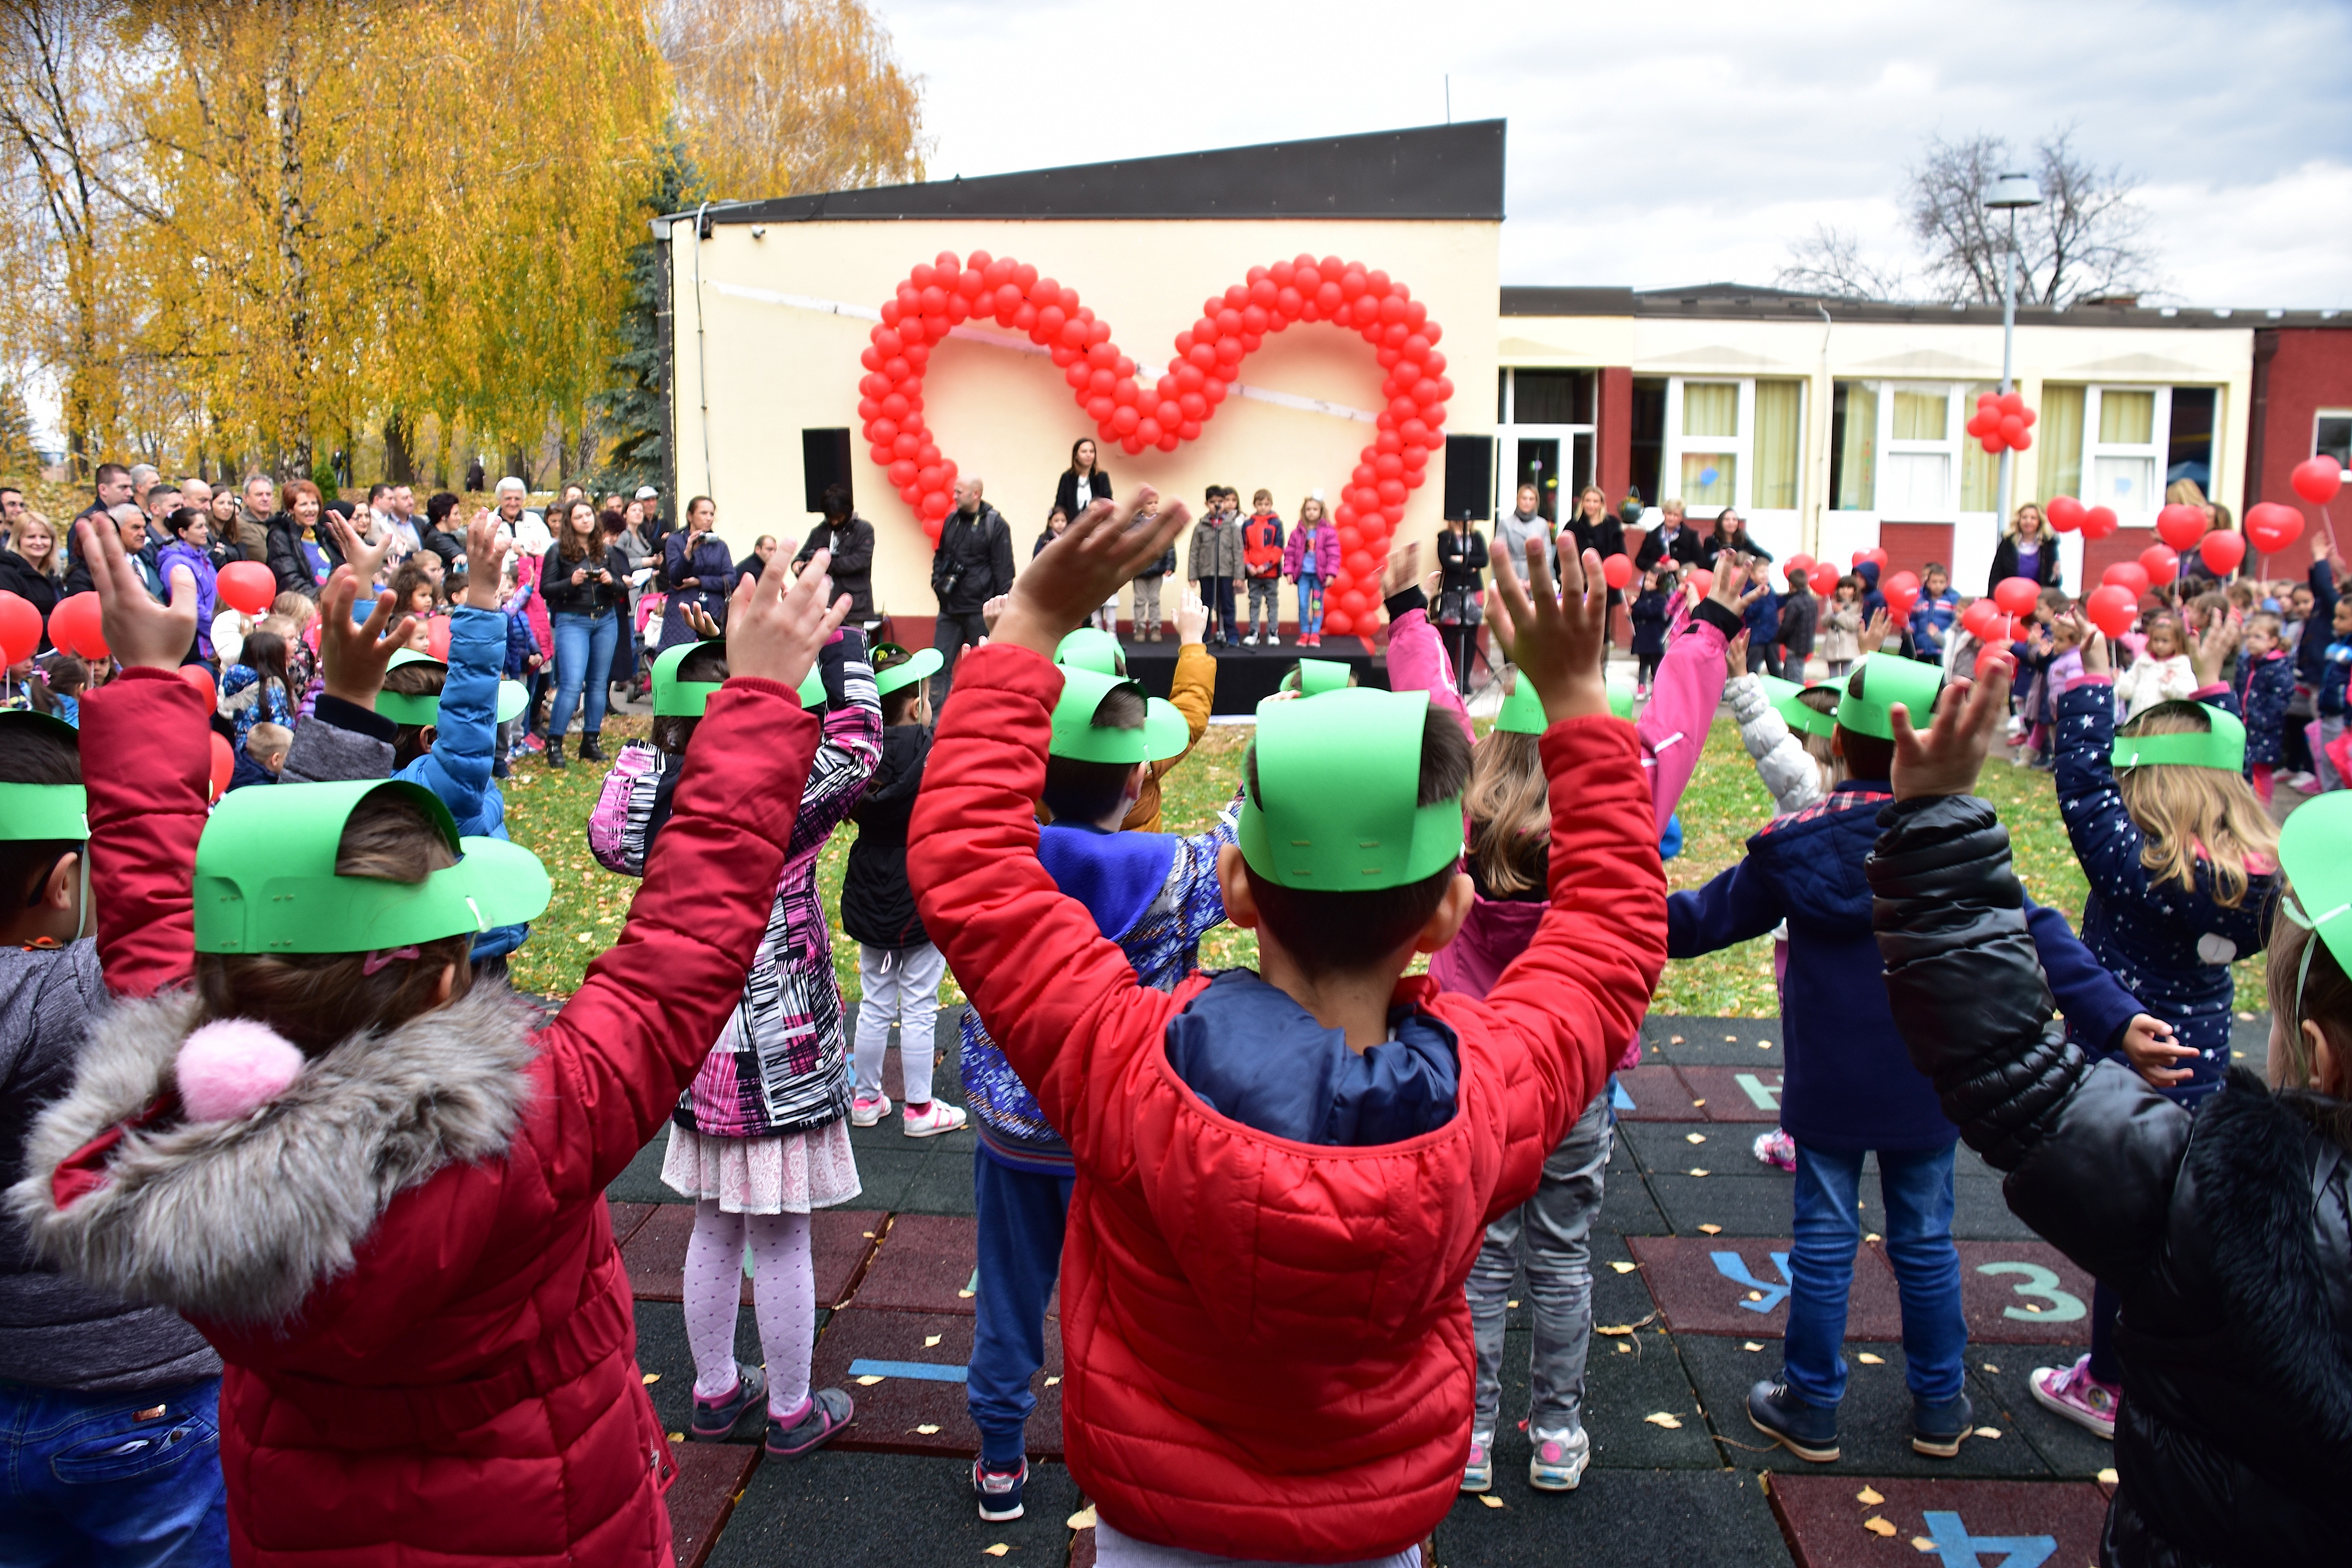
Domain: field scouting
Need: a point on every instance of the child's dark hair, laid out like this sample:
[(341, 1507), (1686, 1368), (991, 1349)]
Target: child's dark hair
[(705, 664), (2326, 995), (1088, 792), (1350, 934), (57, 677), (404, 583), (895, 705), (265, 654), (418, 679), (1867, 756), (33, 754), (319, 999)]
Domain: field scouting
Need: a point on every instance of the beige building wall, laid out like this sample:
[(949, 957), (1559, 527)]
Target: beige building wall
[(761, 354)]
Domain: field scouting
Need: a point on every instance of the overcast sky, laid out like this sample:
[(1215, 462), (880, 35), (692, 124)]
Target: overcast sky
[(1688, 143)]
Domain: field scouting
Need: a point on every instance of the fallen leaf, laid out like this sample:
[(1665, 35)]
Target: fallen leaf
[(928, 1428), (1082, 1519), (1491, 1500), (1756, 1295), (1921, 1543), (1867, 1359), (930, 1340), (868, 1381), (963, 1295), (2107, 1478), (677, 1436), (1623, 1268), (583, 936), (999, 1550), (651, 1377), (866, 1234), (1676, 1040), (1698, 1103), (1750, 1345), (1693, 1137), (1660, 1418), (1624, 1349), (1710, 1230), (1869, 1496), (1989, 1367), (1615, 1330), (1871, 1235), (1733, 1038), (1052, 1381), (1878, 1527), (1987, 1431), (1696, 1172)]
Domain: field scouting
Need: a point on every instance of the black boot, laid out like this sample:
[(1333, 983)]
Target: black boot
[(555, 751), (589, 750)]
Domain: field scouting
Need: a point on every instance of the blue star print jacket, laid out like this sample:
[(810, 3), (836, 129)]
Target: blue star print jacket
[(2170, 945)]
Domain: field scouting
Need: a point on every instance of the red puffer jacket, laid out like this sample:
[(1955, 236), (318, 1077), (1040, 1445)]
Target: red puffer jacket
[(406, 1261), (1268, 1347)]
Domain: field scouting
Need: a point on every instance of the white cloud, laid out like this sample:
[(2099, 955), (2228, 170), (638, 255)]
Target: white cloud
[(1654, 144)]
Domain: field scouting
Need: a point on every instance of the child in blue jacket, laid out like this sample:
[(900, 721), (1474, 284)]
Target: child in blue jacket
[(1931, 617)]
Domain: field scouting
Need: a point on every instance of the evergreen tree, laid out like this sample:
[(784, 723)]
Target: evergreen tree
[(632, 409)]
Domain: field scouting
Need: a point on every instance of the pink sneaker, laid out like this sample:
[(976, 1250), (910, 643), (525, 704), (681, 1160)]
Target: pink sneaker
[(930, 1120), (1776, 1149), (2074, 1392)]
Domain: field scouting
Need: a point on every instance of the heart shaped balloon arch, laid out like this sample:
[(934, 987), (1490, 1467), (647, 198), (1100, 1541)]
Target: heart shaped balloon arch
[(941, 294)]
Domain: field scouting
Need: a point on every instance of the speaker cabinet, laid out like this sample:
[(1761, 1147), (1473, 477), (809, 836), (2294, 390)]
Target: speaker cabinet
[(824, 461), (1469, 478)]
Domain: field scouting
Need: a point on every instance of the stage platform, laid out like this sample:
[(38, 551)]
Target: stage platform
[(1248, 676)]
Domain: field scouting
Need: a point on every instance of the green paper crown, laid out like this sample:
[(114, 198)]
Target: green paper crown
[(30, 812), (2222, 748), (1621, 696), (403, 708), (1787, 699), (1076, 736), (1522, 712), (1887, 679), (1091, 647), (1317, 675), (2315, 853), (1334, 809), (911, 668), (265, 879)]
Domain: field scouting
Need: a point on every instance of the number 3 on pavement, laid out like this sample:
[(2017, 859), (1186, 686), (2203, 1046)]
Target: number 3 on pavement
[(2040, 1284)]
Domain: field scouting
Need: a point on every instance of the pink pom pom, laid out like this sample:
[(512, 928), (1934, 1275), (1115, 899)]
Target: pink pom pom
[(229, 1069)]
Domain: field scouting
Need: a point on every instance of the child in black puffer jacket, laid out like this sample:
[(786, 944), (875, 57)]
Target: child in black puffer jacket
[(2226, 1228)]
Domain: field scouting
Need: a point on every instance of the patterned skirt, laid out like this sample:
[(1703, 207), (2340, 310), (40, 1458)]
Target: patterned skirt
[(789, 1174)]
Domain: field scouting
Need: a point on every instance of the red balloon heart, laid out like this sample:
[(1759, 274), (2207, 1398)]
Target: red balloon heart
[(2017, 595), (78, 627), (1903, 583), (2065, 512), (2160, 564), (1992, 656), (2223, 550), (2180, 526), (1824, 578), (939, 294), (1704, 580), (248, 586), (2099, 523), (20, 629), (197, 676), (2131, 575), (436, 637), (2316, 480), (2113, 609), (1799, 563), (2272, 527), (1617, 570), (223, 763)]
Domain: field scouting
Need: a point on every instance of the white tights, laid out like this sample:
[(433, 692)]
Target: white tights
[(784, 1296)]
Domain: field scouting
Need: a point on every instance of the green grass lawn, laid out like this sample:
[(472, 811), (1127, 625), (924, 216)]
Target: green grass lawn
[(548, 812)]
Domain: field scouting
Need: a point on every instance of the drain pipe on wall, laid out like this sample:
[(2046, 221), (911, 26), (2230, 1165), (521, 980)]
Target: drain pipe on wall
[(702, 353), (1822, 445)]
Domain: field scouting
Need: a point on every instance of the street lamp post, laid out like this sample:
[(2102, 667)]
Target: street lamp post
[(2009, 193)]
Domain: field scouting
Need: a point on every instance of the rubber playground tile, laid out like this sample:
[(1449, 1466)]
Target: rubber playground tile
[(1628, 1378), (884, 1174), (924, 1264), (1626, 1206), (1959, 1523), (2022, 1293), (1874, 1421), (1737, 1205), (1739, 1287), (641, 1183), (626, 1218), (839, 1242), (1651, 1092), (940, 1185), (1616, 1519), (667, 1362), (1980, 1214), (888, 1511), (1715, 1042), (1997, 1376), (917, 1406), (1735, 1093), (703, 1495), (1720, 1151)]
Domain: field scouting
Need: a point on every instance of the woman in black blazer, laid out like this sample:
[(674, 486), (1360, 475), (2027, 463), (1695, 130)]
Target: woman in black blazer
[(2028, 535), (1083, 470)]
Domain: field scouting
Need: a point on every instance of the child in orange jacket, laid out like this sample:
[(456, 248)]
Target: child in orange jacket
[(1283, 1177)]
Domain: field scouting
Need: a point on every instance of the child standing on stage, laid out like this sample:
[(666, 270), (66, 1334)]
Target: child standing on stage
[(1262, 553), (1147, 583), (899, 969), (1311, 555), (1216, 560)]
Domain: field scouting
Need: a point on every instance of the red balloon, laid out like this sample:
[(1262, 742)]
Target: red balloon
[(2273, 527), (2316, 480), (247, 585), (2017, 595), (436, 637), (1992, 656), (1978, 617), (1339, 623), (76, 625), (1824, 579), (1799, 563), (2024, 442), (2130, 575), (1900, 603), (2113, 609), (2160, 562), (2180, 526), (1906, 583), (2065, 512), (2099, 523), (197, 676), (20, 629), (1617, 570), (1703, 579), (2011, 429), (223, 763), (1875, 555), (2223, 550)]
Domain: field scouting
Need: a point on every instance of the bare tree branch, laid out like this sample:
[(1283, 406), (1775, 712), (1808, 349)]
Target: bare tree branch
[(1829, 262)]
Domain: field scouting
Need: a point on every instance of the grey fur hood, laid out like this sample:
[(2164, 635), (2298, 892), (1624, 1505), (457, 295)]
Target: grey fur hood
[(238, 1222)]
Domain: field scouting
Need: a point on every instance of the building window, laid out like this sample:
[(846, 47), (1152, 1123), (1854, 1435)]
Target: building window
[(2058, 437), (1649, 443), (1780, 435), (2331, 436), (1545, 435), (2188, 453), (1854, 446), (2125, 455), (1711, 443)]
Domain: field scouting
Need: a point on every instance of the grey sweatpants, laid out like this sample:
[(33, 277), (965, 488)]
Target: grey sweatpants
[(1147, 604), (1551, 1233), (1265, 604)]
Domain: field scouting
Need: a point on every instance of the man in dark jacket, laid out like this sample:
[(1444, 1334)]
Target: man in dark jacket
[(2227, 1231), (851, 538), (113, 490), (973, 565), (129, 525)]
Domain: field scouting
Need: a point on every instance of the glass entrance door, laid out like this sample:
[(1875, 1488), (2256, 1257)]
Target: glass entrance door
[(1556, 459)]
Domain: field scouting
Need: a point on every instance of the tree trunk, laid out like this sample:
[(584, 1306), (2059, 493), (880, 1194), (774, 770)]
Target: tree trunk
[(399, 459)]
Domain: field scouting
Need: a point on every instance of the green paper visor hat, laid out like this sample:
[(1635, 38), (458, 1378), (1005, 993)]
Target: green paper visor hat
[(1336, 808), (1887, 681), (2222, 747), (1317, 675), (404, 709), (1091, 647), (676, 698), (30, 812), (1522, 712), (265, 879), (1787, 699), (1163, 733), (2315, 853), (909, 668)]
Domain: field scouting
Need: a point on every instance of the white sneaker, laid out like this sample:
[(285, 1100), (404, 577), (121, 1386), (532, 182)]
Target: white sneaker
[(867, 1109), (930, 1120), (1558, 1461), (1250, 641), (1272, 640)]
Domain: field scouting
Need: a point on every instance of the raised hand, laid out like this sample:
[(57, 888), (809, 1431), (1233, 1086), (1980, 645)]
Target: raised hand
[(1969, 717), (365, 559), (2094, 647), (1557, 638), (993, 612), (1735, 657), (1403, 570), (699, 619), (486, 558), (351, 657), (141, 633), (1098, 555), (1728, 575), (2209, 652), (1876, 630), (776, 622), (1191, 616)]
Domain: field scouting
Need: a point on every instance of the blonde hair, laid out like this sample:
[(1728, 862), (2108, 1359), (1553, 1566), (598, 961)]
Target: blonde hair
[(1509, 805), (2190, 814), (1822, 699), (2325, 996), (267, 740), (2183, 493), (296, 607)]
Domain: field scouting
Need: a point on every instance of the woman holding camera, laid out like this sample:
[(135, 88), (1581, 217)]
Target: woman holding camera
[(587, 581)]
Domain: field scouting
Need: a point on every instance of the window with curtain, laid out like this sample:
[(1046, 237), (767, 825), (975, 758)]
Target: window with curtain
[(2058, 440), (1778, 434), (1710, 408), (2127, 418), (1709, 478), (1921, 415), (1855, 451), (1979, 469)]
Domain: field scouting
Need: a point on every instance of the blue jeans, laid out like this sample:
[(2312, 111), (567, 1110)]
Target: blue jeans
[(88, 1482), (583, 656), (1917, 1189), (1310, 604), (1023, 1214)]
